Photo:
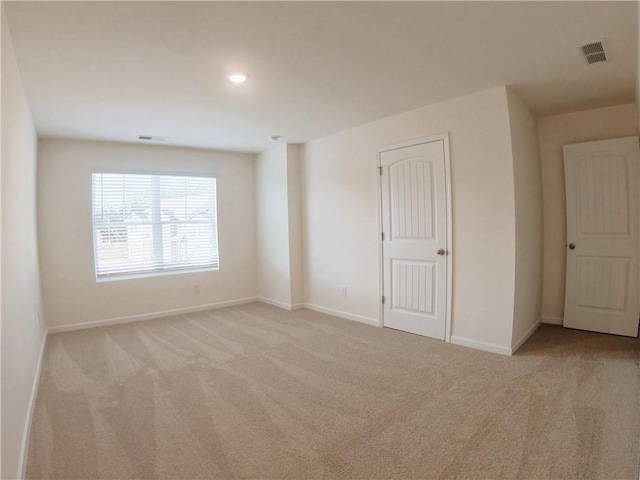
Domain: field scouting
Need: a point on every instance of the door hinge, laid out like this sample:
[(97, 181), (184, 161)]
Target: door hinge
[(383, 236), (383, 299), (380, 170)]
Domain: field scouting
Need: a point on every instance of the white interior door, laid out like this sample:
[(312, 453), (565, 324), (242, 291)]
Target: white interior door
[(602, 288), (414, 222)]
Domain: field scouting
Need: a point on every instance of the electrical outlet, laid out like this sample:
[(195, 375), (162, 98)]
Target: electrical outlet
[(343, 290), (196, 288)]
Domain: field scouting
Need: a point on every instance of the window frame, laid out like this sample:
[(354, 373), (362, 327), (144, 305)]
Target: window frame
[(156, 225)]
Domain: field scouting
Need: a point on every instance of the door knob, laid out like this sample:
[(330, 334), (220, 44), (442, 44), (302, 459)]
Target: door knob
[(441, 251), (572, 246)]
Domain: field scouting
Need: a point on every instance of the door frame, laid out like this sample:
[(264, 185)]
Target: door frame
[(444, 137)]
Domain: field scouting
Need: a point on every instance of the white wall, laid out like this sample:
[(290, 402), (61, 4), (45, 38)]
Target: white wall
[(71, 293), (296, 245), (22, 333), (556, 131), (638, 68), (527, 178), (342, 225), (272, 225), (279, 226)]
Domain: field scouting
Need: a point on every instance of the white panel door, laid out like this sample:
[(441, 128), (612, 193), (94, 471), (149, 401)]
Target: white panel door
[(414, 222), (603, 279)]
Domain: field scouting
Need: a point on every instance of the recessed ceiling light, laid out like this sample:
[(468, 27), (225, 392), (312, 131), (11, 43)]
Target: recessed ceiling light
[(238, 78)]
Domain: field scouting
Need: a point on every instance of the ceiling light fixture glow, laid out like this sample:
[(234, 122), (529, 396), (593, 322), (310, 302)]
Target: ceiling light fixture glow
[(238, 78)]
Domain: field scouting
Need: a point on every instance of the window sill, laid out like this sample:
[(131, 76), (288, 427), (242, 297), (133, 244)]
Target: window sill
[(134, 276)]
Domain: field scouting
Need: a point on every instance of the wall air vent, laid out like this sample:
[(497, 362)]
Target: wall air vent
[(152, 138), (594, 52)]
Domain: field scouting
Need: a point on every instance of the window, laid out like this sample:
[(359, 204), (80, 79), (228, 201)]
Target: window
[(153, 224)]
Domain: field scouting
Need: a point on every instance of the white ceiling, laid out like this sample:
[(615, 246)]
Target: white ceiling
[(116, 70)]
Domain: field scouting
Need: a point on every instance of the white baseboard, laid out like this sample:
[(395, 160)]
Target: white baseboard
[(552, 320), (338, 313), (149, 316), (486, 347), (525, 337), (277, 303), (22, 462)]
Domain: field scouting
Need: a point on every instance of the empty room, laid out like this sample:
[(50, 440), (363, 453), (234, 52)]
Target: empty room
[(320, 240)]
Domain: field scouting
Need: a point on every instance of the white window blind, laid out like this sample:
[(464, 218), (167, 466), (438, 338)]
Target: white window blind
[(153, 224)]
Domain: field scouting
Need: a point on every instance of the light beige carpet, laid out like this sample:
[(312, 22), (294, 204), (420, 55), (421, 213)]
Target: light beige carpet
[(257, 392)]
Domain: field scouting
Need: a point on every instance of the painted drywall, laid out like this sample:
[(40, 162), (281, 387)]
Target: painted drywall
[(272, 225), (527, 181), (279, 226), (22, 333), (554, 132), (342, 225), (296, 252), (638, 67), (71, 293)]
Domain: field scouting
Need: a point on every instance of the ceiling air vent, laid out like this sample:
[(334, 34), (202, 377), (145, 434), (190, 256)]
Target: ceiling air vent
[(594, 52), (152, 138)]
